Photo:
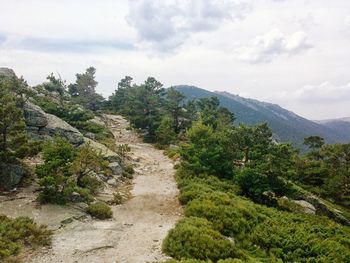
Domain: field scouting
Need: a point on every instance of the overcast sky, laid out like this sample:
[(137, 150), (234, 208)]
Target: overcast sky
[(292, 52)]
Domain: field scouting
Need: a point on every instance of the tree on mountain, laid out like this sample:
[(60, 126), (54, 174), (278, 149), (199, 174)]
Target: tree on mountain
[(207, 151), (173, 104), (119, 98), (213, 114), (19, 88), (253, 142), (314, 142), (83, 91), (12, 127), (144, 106), (165, 134)]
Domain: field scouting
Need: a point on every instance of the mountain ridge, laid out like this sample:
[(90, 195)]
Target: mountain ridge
[(288, 126)]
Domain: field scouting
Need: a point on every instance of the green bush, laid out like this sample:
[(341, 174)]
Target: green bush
[(117, 198), (55, 172), (91, 183), (258, 185), (303, 238), (129, 169), (194, 238), (100, 210), (19, 232), (231, 217), (66, 170), (128, 172)]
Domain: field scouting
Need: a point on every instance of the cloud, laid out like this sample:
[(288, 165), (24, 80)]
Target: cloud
[(2, 39), (265, 48), (165, 25), (324, 93), (69, 45)]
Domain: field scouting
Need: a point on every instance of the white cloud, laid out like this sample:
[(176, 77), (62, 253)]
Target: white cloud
[(165, 25), (325, 93), (265, 48), (322, 94)]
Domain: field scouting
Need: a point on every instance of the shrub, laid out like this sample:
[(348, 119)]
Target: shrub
[(128, 172), (303, 238), (192, 191), (100, 210), (194, 238), (55, 172), (19, 232), (256, 185), (66, 170), (123, 150), (129, 169), (91, 183), (117, 198), (231, 217)]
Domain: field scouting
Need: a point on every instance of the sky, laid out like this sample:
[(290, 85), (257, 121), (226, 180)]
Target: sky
[(295, 53)]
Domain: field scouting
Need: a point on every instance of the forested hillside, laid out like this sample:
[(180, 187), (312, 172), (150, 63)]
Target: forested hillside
[(287, 126)]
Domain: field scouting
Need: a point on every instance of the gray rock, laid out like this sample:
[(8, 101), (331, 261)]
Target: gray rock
[(67, 221), (112, 181), (43, 126), (90, 135), (34, 116), (231, 239), (76, 197), (108, 155), (56, 126), (115, 168), (7, 73), (82, 206), (173, 147), (97, 120), (306, 206), (325, 210), (11, 175)]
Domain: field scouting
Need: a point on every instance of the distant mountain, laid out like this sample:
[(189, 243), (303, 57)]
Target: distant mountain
[(340, 126), (286, 125)]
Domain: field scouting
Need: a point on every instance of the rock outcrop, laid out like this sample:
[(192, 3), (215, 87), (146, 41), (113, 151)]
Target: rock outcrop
[(306, 206), (7, 73), (43, 126), (14, 174), (107, 153)]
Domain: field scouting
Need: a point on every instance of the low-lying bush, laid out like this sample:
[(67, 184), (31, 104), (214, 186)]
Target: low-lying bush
[(260, 233), (19, 232), (194, 238), (228, 216), (100, 210), (117, 198), (303, 238)]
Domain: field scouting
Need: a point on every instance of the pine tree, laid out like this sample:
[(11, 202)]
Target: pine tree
[(173, 105), (12, 126), (84, 90)]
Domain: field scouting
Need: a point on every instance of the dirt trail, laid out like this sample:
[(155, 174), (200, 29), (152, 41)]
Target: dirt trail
[(136, 232)]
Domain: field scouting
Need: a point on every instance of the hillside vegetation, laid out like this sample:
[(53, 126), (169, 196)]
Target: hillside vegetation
[(247, 196), (239, 186), (286, 125)]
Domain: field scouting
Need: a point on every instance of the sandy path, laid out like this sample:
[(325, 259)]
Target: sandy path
[(136, 232)]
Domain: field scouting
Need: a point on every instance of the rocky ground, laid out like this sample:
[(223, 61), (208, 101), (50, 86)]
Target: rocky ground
[(138, 226)]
